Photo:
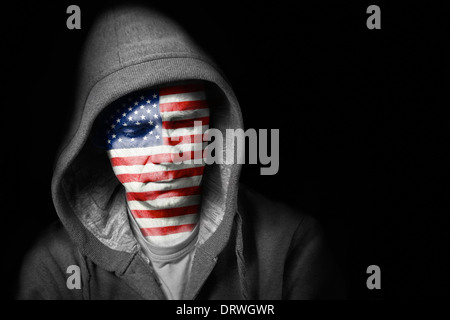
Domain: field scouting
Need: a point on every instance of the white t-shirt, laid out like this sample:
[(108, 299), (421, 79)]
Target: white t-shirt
[(172, 265)]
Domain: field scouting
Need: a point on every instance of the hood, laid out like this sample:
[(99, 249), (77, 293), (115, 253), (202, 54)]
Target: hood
[(131, 48)]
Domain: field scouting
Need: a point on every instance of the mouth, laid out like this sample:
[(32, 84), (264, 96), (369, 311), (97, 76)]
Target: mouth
[(170, 176)]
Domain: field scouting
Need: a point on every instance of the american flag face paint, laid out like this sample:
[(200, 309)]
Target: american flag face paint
[(144, 133)]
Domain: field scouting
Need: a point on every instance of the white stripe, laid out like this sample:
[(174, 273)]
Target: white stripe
[(169, 185), (180, 97), (135, 152), (151, 167), (164, 203), (166, 222), (184, 115)]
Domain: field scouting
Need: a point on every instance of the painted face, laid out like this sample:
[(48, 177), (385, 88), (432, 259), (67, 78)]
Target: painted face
[(154, 140)]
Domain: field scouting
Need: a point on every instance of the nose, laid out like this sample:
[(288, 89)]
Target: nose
[(173, 141), (173, 154), (158, 158)]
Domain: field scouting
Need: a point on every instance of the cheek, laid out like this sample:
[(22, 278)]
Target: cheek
[(120, 165), (120, 170)]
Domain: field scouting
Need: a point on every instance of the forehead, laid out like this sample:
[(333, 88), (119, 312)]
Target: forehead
[(167, 99), (149, 108), (129, 106)]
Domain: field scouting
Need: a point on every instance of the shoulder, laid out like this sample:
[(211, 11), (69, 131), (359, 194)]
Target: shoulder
[(253, 203), (52, 252), (45, 266), (54, 241), (274, 218)]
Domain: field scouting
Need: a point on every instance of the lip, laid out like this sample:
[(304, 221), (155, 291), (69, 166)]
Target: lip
[(170, 176), (171, 181), (164, 185)]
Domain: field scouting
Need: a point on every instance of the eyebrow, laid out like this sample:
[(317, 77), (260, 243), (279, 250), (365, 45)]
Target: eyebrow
[(176, 124), (183, 105), (184, 114)]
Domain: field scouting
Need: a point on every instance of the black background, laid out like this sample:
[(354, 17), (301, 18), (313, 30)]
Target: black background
[(364, 131)]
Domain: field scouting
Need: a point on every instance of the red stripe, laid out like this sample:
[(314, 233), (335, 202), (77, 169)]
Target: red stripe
[(193, 138), (182, 106), (160, 194), (161, 175), (162, 231), (155, 159), (166, 213), (181, 89), (184, 123)]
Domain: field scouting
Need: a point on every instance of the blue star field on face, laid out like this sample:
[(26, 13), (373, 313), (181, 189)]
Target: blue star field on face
[(133, 122)]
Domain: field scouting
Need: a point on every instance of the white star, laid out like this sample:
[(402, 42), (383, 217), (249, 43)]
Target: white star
[(132, 139), (150, 122), (124, 114), (142, 107), (154, 105), (124, 124), (113, 136), (155, 116), (145, 138), (138, 123), (142, 117), (157, 137), (148, 101), (148, 111), (142, 97), (135, 103), (151, 132), (130, 108), (113, 126), (118, 120), (120, 139), (130, 118), (135, 112), (109, 141), (157, 126), (154, 96)]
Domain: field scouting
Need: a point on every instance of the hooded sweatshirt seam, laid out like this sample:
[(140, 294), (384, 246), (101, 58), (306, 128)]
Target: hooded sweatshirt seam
[(289, 250), (290, 247), (117, 37), (240, 255)]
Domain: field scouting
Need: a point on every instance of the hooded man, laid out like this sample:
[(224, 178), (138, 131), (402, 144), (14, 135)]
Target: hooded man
[(134, 223)]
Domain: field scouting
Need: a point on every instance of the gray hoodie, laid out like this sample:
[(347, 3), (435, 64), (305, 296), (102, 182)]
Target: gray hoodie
[(248, 247)]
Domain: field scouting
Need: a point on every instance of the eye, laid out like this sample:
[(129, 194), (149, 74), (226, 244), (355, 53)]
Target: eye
[(134, 131)]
